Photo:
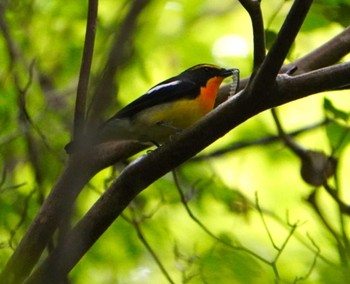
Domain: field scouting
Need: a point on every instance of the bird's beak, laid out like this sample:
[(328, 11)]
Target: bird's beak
[(227, 72)]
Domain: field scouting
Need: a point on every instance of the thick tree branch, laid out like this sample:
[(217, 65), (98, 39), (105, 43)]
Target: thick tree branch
[(238, 145), (41, 230), (80, 169), (271, 66), (327, 54)]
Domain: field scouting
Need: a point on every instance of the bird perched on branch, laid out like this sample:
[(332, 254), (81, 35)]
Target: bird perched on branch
[(164, 110)]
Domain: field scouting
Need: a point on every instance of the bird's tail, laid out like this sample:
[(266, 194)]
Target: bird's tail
[(112, 130)]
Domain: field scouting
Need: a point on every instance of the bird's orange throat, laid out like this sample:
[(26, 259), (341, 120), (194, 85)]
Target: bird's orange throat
[(209, 93)]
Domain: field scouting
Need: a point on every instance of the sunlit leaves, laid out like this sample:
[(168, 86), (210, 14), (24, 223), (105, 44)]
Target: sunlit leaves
[(222, 265), (171, 36), (338, 129)]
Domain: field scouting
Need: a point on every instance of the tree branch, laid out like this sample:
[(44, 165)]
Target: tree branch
[(151, 167), (249, 143), (85, 68), (334, 50), (254, 10), (42, 228), (327, 54), (154, 165), (271, 66), (119, 53), (72, 180), (80, 169)]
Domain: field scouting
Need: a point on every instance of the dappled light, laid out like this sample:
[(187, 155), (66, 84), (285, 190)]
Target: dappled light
[(255, 191)]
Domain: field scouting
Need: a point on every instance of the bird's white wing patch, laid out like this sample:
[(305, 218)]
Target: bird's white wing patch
[(163, 86)]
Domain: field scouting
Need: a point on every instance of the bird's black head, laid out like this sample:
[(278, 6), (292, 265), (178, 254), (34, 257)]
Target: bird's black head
[(201, 73)]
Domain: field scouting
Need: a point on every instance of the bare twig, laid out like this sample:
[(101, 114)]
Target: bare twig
[(119, 53), (12, 48), (23, 217), (264, 222), (205, 229), (313, 264), (313, 202), (288, 141), (85, 68), (254, 11), (343, 254), (257, 142), (279, 250), (142, 238), (344, 208)]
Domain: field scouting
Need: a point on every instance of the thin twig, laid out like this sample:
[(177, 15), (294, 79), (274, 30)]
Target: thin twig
[(278, 249), (281, 249), (344, 208), (257, 142), (142, 238), (119, 53), (205, 229), (264, 222), (254, 10), (312, 200), (313, 264), (23, 217), (85, 68), (288, 141)]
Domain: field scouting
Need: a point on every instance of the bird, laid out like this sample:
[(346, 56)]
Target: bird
[(164, 110)]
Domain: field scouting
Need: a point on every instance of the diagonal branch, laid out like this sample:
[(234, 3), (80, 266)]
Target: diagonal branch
[(68, 186), (327, 54), (153, 166), (271, 66), (238, 145)]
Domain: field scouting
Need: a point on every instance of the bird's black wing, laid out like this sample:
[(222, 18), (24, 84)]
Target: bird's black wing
[(165, 92)]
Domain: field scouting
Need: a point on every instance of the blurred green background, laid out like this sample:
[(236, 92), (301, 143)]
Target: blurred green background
[(221, 192)]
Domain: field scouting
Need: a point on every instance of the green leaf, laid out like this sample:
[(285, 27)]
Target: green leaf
[(270, 37), (334, 112), (230, 266), (338, 135)]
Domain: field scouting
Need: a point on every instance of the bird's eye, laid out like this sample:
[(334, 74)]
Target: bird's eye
[(206, 69)]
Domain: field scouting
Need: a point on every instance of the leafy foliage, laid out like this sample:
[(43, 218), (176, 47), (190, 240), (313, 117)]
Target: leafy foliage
[(243, 215)]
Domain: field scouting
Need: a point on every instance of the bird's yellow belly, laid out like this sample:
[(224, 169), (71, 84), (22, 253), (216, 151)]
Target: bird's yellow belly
[(157, 124), (180, 114)]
